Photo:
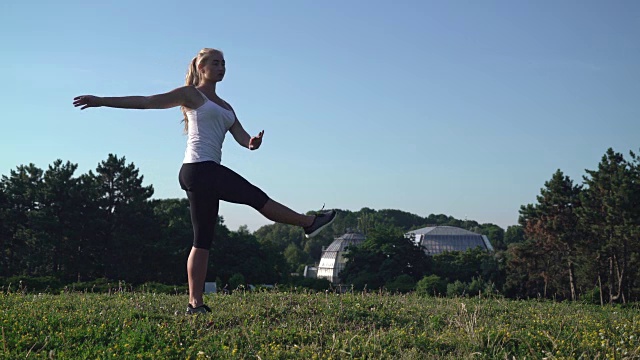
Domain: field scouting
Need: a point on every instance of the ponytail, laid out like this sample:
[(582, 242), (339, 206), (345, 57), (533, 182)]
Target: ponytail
[(193, 76), (192, 79)]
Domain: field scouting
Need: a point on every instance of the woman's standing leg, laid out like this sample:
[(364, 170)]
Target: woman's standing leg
[(197, 273), (204, 207)]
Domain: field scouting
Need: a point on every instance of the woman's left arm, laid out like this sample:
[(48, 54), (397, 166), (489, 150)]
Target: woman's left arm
[(243, 138)]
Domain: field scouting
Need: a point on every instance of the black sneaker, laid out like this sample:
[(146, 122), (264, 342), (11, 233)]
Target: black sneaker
[(202, 309), (320, 222)]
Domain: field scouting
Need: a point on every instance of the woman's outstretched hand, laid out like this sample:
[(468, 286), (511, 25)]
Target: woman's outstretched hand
[(256, 141), (86, 101)]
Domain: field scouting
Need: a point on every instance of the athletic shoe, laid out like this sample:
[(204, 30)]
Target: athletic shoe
[(321, 221), (202, 309)]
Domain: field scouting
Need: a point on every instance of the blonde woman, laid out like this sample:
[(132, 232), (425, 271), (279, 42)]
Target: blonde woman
[(207, 118)]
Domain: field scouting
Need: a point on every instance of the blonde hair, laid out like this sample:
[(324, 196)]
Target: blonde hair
[(193, 75)]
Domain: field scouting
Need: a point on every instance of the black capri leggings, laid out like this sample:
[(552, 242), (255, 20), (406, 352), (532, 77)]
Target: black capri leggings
[(206, 183)]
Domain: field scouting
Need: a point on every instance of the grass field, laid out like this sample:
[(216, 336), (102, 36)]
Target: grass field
[(286, 325)]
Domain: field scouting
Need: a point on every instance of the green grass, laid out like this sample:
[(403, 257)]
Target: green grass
[(285, 325)]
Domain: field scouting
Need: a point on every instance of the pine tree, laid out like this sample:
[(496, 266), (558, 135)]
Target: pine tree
[(609, 217), (552, 224), (128, 229), (22, 193)]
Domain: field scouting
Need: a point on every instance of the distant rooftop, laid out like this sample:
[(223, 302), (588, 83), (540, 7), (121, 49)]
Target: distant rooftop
[(348, 239), (442, 230), (438, 239)]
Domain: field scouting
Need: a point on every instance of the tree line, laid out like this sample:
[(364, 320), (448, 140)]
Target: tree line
[(576, 241), (104, 224), (582, 239)]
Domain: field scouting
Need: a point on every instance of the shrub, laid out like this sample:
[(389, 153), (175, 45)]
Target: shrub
[(310, 283), (431, 285), (32, 284), (403, 283), (236, 280), (591, 296), (154, 287), (476, 286), (490, 290), (457, 288), (100, 285)]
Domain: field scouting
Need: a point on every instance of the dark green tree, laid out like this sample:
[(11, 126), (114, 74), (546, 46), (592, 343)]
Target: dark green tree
[(89, 224), (128, 217), (280, 235), (294, 256), (525, 268), (495, 234), (552, 224), (514, 234), (5, 231), (382, 258), (555, 225), (634, 228), (21, 191), (609, 216), (58, 227), (398, 218), (169, 252), (464, 266), (240, 253)]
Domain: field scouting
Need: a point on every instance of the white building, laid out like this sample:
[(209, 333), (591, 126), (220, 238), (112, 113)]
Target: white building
[(332, 261)]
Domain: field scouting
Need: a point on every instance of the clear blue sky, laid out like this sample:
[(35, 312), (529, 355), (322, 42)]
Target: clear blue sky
[(463, 108)]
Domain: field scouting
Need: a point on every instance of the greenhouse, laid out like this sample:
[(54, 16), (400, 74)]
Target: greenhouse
[(438, 239), (332, 261)]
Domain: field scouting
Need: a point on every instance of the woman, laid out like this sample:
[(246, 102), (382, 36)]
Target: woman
[(207, 118)]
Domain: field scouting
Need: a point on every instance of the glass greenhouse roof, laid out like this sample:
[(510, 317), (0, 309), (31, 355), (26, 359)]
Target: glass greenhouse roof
[(438, 239)]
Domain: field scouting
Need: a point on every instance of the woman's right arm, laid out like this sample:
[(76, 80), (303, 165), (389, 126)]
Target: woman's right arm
[(182, 96)]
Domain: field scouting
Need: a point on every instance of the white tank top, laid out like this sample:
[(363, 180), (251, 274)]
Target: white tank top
[(207, 127)]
